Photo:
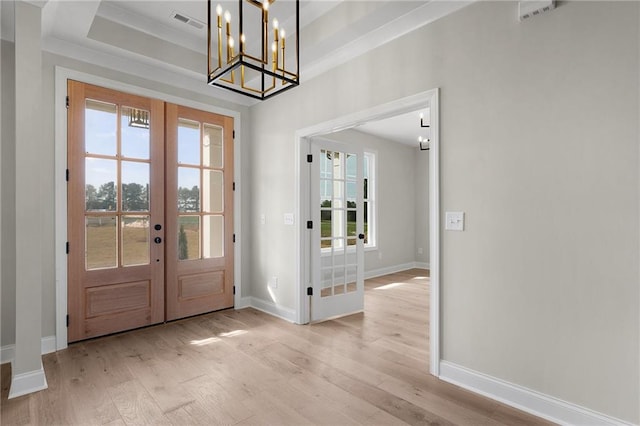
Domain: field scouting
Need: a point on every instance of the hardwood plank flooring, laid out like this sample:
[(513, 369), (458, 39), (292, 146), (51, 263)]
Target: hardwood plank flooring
[(249, 368)]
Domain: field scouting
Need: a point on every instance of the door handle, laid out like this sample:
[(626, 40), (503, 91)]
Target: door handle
[(361, 236), (157, 240)]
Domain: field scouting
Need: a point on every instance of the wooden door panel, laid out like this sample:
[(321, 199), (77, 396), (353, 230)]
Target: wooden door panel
[(203, 282), (117, 294)]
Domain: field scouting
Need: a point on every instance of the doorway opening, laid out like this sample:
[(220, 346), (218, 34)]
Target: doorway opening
[(305, 205)]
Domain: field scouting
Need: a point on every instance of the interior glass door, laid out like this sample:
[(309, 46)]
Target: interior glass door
[(337, 262)]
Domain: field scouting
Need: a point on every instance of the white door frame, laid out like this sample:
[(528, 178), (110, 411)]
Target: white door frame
[(60, 86), (303, 202)]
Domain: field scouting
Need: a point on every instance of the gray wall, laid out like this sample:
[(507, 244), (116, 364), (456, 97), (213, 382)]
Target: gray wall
[(8, 182), (539, 146), (541, 290), (421, 227)]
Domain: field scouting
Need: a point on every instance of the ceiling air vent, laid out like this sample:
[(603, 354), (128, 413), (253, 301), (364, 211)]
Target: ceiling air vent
[(187, 20), (530, 8)]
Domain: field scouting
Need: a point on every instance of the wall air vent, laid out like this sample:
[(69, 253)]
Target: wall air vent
[(530, 8), (187, 20)]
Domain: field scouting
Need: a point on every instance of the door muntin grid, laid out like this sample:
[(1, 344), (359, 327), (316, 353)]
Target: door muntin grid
[(116, 185), (338, 183)]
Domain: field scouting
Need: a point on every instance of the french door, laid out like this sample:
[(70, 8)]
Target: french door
[(133, 222), (200, 232), (337, 262)]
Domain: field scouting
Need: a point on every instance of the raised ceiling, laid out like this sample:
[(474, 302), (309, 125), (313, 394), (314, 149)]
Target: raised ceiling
[(143, 38)]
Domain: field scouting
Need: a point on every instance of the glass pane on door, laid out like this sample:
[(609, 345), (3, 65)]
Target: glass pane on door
[(188, 237), (201, 190), (101, 242), (338, 217), (117, 180), (135, 135), (135, 240), (135, 186), (101, 128), (100, 189), (212, 146)]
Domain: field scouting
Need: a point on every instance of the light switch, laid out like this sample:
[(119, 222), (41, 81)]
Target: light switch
[(263, 219), (454, 221), (288, 219)]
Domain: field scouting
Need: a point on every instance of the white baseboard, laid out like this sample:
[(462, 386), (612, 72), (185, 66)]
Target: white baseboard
[(373, 273), (243, 302), (25, 383), (270, 308), (8, 352), (288, 314), (48, 345), (422, 265), (536, 403)]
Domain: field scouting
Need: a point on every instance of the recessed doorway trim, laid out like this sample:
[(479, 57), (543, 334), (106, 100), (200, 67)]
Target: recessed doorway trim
[(60, 116), (302, 136)]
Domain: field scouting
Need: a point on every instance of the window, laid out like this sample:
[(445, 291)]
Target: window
[(369, 173)]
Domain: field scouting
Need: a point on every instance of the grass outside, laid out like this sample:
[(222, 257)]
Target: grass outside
[(102, 247), (101, 241), (325, 232)]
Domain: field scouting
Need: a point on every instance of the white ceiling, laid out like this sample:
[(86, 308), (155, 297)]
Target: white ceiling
[(404, 128), (141, 37)]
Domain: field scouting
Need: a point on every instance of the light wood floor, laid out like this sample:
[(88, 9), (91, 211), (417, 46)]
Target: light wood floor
[(246, 367)]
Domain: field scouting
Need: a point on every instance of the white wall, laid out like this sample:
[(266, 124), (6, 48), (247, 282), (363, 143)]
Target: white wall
[(539, 146)]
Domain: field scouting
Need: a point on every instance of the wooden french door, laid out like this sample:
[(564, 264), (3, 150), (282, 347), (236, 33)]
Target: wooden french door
[(115, 198), (123, 203), (200, 214)]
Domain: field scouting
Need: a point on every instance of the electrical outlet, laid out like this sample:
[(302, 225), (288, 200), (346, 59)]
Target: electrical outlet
[(379, 255), (273, 282), (420, 250), (289, 219)]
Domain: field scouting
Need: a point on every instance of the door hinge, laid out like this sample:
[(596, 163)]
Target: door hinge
[(234, 186), (67, 247), (309, 158), (234, 289), (309, 291), (66, 175), (234, 238), (309, 224), (67, 102), (67, 320), (234, 134)]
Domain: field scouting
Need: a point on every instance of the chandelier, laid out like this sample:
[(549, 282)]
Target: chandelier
[(249, 54)]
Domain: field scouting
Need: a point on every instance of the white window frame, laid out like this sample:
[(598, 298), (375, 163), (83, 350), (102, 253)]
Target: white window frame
[(372, 205)]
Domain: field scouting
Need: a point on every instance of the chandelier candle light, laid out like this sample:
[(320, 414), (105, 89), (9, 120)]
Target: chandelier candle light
[(262, 56)]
